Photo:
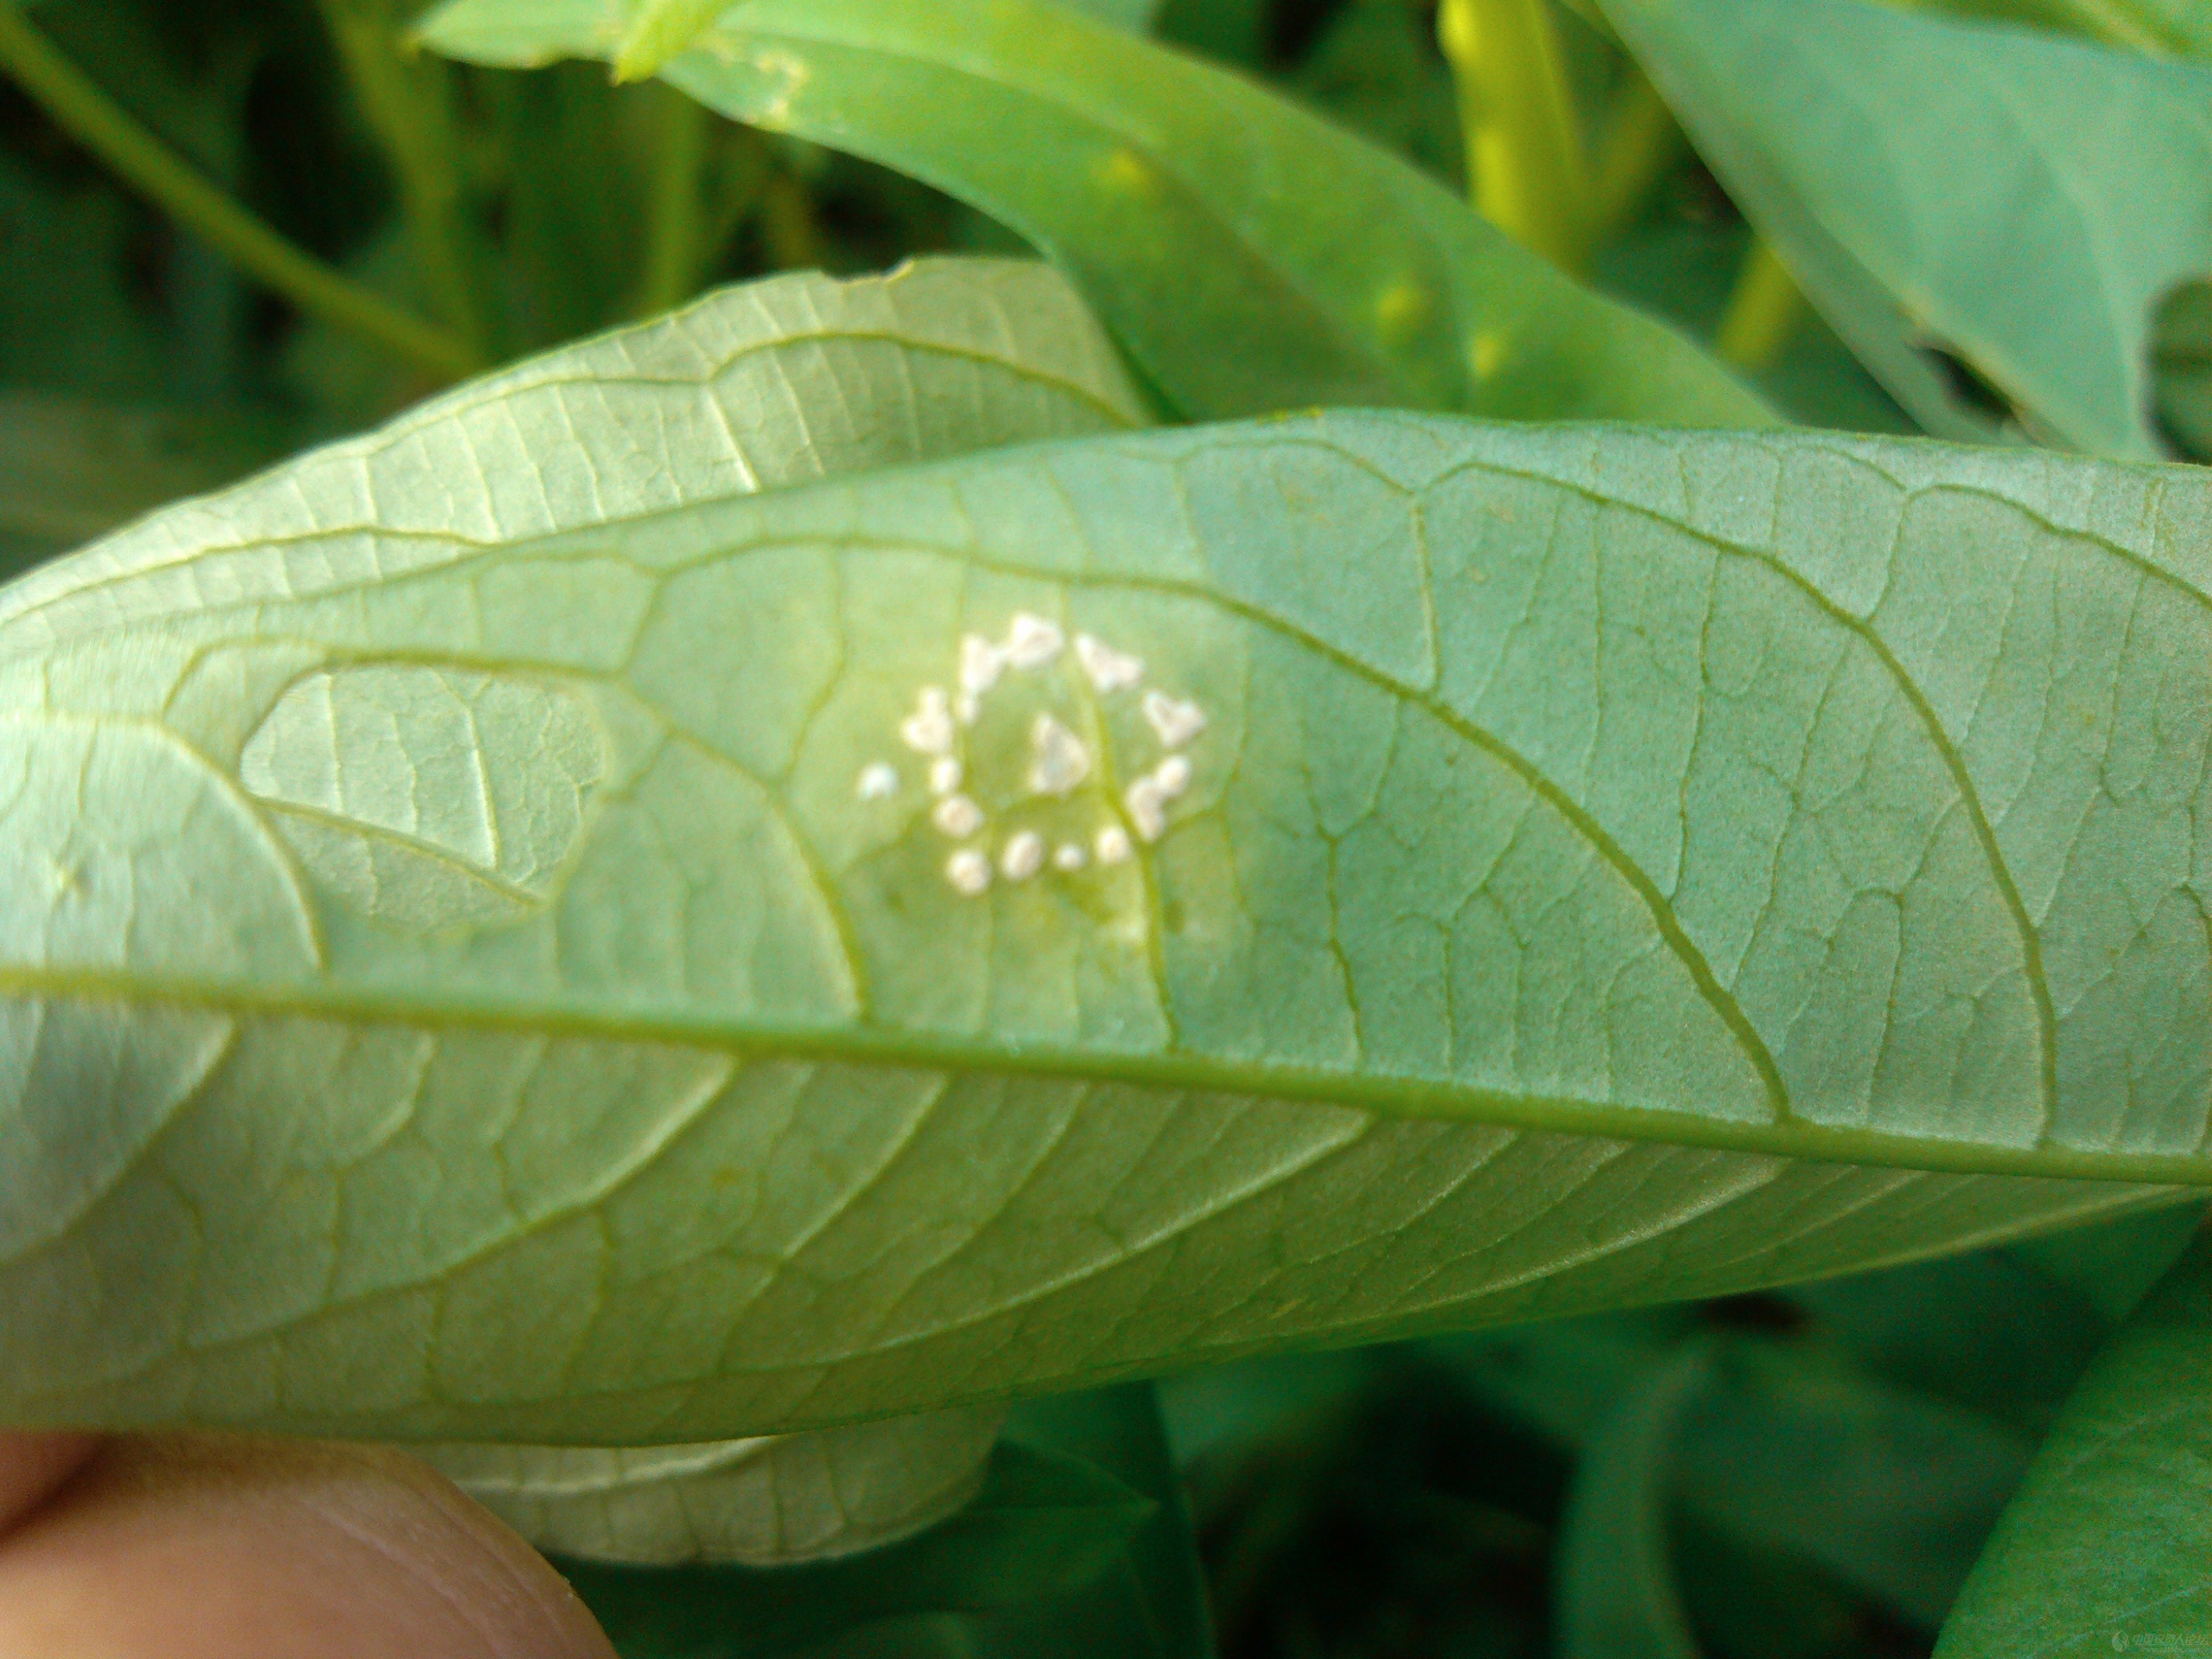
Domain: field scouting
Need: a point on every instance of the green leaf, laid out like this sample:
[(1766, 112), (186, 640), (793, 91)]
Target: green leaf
[(1887, 1489), (71, 468), (2114, 1266), (2021, 202), (767, 1501), (1152, 1602), (658, 30), (1044, 1524), (2108, 1547), (1616, 1592), (1137, 15), (1179, 198), (482, 960), (2180, 26)]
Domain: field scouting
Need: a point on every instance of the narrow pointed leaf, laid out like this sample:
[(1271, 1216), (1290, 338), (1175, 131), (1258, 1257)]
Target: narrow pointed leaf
[(2108, 1547), (1181, 198), (2019, 201), (489, 950)]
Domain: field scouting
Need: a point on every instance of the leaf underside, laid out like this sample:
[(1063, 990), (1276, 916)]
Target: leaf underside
[(460, 977)]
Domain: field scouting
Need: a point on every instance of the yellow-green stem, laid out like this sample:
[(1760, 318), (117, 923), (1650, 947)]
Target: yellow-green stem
[(1524, 152), (1762, 314), (81, 109), (675, 213), (406, 97)]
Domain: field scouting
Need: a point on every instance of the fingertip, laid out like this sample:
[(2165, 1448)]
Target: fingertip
[(32, 1465), (191, 1546)]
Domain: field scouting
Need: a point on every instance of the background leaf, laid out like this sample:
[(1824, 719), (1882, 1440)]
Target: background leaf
[(1195, 234), (2105, 1548), (1617, 1594), (2020, 203), (71, 468)]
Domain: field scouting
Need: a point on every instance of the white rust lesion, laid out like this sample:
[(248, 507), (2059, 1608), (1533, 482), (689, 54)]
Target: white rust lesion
[(1034, 815)]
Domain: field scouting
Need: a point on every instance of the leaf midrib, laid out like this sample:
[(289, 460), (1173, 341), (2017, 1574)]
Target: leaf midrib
[(1386, 1096)]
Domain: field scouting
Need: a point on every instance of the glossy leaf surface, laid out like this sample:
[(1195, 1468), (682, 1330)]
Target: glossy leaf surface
[(2019, 201), (1181, 199), (2108, 1547), (1610, 866)]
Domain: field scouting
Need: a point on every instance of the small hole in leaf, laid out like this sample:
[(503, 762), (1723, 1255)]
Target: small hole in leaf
[(2181, 368)]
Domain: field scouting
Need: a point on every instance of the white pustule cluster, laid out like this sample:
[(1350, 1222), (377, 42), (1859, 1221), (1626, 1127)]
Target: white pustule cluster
[(1058, 763)]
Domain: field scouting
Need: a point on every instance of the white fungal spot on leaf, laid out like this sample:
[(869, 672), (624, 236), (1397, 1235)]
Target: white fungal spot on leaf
[(1176, 722), (1059, 762), (957, 816), (1022, 857), (1107, 669), (968, 872), (962, 770), (928, 730), (1147, 806), (981, 665), (1032, 641)]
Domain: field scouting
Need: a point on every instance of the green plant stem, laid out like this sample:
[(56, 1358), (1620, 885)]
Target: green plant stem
[(1642, 142), (1763, 311), (406, 97), (81, 109), (675, 236), (1524, 153)]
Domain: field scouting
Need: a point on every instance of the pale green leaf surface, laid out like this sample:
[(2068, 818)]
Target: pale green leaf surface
[(1673, 864), (2108, 1546), (1615, 1592), (1181, 198), (2020, 200), (769, 1501)]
